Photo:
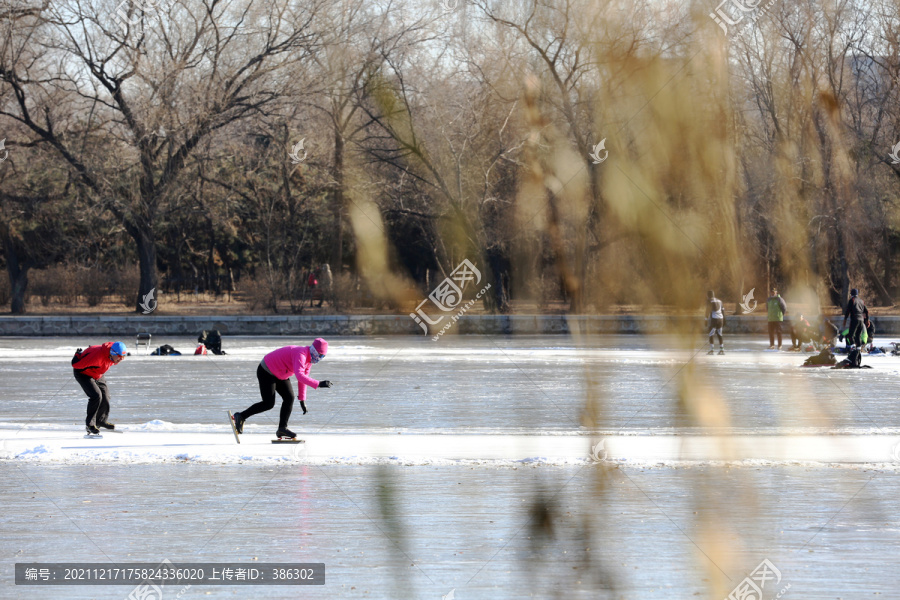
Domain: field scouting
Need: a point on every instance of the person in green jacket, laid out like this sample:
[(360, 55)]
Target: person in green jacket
[(777, 309)]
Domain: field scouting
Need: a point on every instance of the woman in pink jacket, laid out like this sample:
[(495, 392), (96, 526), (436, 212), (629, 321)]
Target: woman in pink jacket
[(274, 375)]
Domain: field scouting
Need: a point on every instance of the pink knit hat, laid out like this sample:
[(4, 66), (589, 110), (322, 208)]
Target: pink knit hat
[(321, 346)]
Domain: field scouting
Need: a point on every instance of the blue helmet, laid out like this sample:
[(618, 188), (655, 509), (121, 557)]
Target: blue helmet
[(118, 349)]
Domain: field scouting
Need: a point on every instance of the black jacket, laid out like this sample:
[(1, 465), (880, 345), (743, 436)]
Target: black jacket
[(856, 310)]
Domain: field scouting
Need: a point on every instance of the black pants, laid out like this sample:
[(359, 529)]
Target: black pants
[(268, 385), (774, 328), (855, 333), (98, 398)]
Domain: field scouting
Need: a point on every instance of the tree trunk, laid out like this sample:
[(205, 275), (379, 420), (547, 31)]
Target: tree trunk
[(337, 206), (18, 276), (498, 269), (884, 297), (146, 247), (18, 280), (177, 267), (212, 280), (886, 257), (844, 268), (19, 283)]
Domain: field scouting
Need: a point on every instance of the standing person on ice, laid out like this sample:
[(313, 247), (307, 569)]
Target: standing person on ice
[(716, 315), (274, 375), (859, 316), (90, 365), (776, 310)]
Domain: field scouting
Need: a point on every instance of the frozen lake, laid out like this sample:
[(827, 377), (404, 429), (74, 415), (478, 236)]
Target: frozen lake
[(476, 501), (418, 532), (476, 384)]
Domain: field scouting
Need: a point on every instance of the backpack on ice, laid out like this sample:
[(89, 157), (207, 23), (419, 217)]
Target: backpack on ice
[(853, 361), (165, 350), (825, 357)]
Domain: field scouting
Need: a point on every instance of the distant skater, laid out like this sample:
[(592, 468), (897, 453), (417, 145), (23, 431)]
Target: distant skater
[(312, 283), (90, 365), (859, 315), (716, 316), (776, 309), (274, 375)]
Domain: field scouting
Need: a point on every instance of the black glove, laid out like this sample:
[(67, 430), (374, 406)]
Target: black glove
[(324, 383), (303, 406)]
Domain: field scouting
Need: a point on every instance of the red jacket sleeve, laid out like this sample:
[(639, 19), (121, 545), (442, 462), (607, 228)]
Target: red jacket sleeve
[(94, 361)]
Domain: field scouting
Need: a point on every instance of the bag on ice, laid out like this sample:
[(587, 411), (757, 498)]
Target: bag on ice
[(825, 357)]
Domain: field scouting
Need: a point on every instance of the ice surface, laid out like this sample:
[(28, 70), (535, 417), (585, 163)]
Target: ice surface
[(159, 441), (419, 531), (460, 464), (522, 385)]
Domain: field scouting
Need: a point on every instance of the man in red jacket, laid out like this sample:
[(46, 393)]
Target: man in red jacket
[(90, 365)]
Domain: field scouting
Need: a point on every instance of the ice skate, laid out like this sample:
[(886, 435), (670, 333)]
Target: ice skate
[(286, 436), (237, 425), (238, 422), (285, 433)]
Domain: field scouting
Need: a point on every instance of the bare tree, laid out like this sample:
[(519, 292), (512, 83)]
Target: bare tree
[(155, 90), (359, 37)]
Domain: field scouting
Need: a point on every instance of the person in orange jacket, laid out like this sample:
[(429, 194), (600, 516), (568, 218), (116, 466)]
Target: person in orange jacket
[(90, 365)]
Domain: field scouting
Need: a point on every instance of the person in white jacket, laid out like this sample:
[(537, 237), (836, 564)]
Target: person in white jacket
[(716, 315)]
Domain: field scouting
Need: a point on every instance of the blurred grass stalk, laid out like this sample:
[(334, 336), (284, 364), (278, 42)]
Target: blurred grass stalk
[(668, 195)]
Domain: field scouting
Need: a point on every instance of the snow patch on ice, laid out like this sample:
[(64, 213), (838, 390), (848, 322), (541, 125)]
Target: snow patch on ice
[(660, 451), (37, 450), (154, 425)]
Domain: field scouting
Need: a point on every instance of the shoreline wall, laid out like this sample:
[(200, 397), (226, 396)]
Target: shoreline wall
[(298, 325)]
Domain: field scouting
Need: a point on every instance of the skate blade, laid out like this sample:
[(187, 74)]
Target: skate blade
[(93, 436), (233, 428), (288, 441)]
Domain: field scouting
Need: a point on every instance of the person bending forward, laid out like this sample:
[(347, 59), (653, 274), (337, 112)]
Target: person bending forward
[(90, 364), (274, 375)]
